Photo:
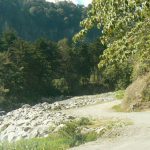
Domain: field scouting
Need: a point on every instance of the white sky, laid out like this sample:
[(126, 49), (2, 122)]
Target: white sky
[(84, 2)]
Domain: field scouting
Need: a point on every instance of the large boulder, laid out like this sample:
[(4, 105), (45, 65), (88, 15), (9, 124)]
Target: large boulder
[(137, 95)]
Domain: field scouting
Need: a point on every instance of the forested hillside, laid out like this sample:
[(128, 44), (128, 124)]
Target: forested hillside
[(110, 52), (32, 70), (37, 56), (32, 19)]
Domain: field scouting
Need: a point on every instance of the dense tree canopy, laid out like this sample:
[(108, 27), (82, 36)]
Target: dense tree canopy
[(32, 19), (31, 70), (31, 64), (125, 25)]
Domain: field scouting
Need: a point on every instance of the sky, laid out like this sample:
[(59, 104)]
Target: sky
[(83, 2)]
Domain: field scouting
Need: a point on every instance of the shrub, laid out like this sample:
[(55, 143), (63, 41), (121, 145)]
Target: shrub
[(84, 121), (61, 85), (72, 132), (3, 92), (119, 94)]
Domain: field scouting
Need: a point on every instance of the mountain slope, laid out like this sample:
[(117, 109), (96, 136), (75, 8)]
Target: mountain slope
[(32, 19)]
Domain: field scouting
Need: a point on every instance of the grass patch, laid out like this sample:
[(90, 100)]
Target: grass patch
[(74, 133), (117, 108), (119, 94), (110, 128), (53, 142)]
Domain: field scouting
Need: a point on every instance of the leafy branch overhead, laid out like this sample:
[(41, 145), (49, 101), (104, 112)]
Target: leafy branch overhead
[(122, 22)]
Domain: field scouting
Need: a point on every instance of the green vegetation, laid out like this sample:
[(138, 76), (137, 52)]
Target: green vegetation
[(119, 94), (126, 30), (110, 57), (32, 19), (31, 70), (117, 108), (72, 134), (37, 61), (51, 143)]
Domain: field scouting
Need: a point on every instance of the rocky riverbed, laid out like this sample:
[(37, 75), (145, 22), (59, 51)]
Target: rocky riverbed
[(43, 118), (30, 122), (80, 101)]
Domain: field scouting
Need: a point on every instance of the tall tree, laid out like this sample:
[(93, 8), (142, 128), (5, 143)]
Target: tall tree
[(122, 21)]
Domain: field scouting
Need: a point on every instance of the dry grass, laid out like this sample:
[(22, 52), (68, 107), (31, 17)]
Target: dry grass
[(137, 95)]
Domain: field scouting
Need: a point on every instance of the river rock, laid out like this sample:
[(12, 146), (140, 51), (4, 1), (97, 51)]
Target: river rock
[(30, 122), (42, 119)]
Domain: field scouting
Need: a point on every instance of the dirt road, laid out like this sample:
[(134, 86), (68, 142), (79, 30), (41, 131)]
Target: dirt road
[(135, 137)]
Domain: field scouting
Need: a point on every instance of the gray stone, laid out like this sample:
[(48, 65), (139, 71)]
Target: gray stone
[(59, 127), (100, 130), (2, 113), (26, 106), (12, 136), (43, 118), (1, 118), (27, 128), (70, 117), (34, 134), (55, 106), (86, 130)]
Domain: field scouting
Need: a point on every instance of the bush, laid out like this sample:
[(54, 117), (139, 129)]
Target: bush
[(84, 121), (61, 85), (119, 94), (72, 131), (117, 77), (137, 95)]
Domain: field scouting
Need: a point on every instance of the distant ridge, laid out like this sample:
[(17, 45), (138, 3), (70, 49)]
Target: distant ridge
[(32, 19)]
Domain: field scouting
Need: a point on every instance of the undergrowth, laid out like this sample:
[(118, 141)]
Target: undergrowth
[(69, 136), (119, 94)]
